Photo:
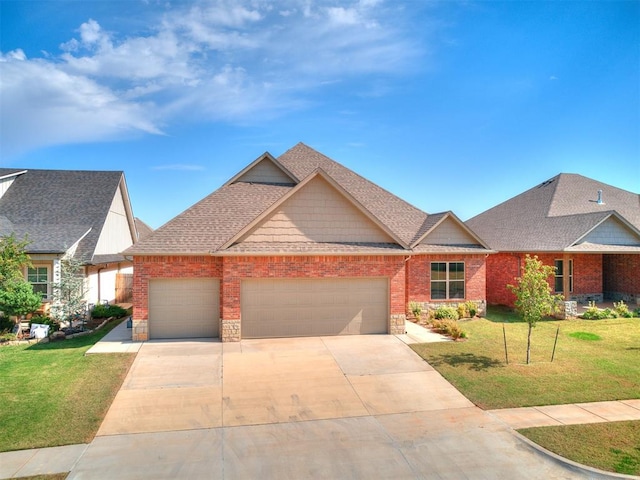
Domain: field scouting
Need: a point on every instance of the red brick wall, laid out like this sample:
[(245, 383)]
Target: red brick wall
[(503, 269), (419, 276), (237, 268), (622, 275), (145, 268), (587, 274)]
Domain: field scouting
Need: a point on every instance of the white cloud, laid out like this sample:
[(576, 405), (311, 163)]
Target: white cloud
[(43, 105), (219, 60)]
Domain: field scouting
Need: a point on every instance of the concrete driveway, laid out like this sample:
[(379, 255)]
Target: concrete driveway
[(328, 407)]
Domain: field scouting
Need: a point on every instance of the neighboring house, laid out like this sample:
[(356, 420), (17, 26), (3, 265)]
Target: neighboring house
[(84, 214), (299, 245), (588, 230)]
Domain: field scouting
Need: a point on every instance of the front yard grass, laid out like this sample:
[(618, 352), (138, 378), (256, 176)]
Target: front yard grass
[(52, 394), (595, 360), (608, 446)]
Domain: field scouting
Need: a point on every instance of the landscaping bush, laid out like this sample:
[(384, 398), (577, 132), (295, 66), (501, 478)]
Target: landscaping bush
[(621, 309), (636, 312), (448, 326), (106, 311), (446, 312), (467, 310), (594, 313), (416, 310), (6, 324)]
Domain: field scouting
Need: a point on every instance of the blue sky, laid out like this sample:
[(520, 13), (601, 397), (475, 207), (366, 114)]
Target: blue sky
[(449, 105)]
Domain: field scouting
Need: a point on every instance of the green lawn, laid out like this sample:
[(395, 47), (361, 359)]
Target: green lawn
[(595, 360), (51, 394), (608, 446)]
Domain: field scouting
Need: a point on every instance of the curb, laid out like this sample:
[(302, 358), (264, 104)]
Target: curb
[(591, 472)]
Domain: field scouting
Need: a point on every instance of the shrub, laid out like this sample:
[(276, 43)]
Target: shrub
[(594, 313), (636, 312), (448, 326), (6, 324), (471, 307), (416, 309), (446, 312), (621, 309), (106, 311), (7, 337)]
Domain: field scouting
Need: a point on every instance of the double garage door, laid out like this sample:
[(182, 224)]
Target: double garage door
[(183, 308), (311, 307)]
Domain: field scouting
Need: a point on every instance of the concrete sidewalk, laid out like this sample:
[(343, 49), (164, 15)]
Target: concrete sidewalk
[(40, 461), (571, 414), (117, 340)]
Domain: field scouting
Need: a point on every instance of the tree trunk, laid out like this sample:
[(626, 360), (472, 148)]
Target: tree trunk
[(529, 344)]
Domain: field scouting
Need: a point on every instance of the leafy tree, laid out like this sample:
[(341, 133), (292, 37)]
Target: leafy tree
[(533, 294), (13, 258), (16, 294), (68, 293)]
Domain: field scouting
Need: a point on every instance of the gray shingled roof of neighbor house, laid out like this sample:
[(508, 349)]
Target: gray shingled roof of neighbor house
[(208, 226), (556, 214), (57, 208)]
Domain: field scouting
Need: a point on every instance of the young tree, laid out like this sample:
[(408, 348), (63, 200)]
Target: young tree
[(68, 293), (533, 294), (16, 294)]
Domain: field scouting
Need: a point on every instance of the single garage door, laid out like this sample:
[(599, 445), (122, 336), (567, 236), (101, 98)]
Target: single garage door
[(184, 307), (311, 307)]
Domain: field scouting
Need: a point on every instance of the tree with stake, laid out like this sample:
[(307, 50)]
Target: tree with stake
[(533, 294)]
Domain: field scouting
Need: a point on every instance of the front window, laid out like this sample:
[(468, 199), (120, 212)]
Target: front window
[(447, 280), (559, 278), (38, 277)]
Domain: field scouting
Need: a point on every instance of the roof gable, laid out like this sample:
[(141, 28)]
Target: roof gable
[(265, 169), (116, 234), (319, 212), (612, 231), (449, 231)]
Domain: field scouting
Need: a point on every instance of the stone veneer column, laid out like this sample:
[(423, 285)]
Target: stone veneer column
[(140, 330), (396, 324), (230, 330)]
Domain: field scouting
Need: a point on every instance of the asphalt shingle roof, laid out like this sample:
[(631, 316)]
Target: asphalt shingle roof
[(209, 225), (55, 208), (552, 216)]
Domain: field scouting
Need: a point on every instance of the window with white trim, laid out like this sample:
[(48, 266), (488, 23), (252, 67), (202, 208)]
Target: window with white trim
[(38, 277), (447, 280)]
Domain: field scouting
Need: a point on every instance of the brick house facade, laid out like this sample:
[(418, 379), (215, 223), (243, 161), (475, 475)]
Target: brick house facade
[(340, 254), (588, 230)]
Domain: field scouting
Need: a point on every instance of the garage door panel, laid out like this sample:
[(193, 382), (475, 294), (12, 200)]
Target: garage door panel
[(313, 307), (184, 308)]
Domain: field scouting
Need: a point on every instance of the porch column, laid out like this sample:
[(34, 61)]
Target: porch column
[(566, 291)]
